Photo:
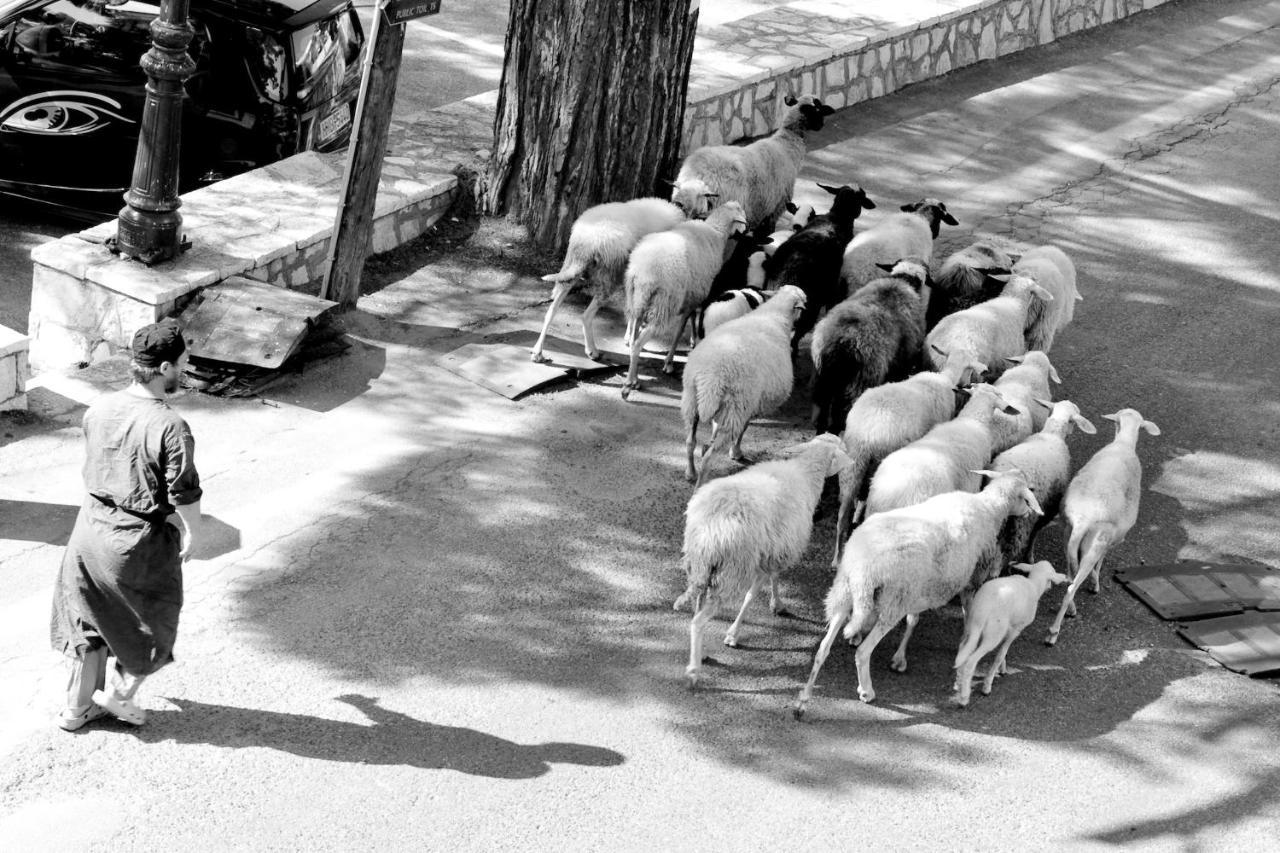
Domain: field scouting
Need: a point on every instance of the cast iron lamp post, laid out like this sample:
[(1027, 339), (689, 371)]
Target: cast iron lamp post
[(150, 226)]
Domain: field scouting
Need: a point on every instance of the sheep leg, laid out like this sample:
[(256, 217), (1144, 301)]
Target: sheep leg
[(633, 373), (558, 294), (964, 672), (707, 606), (775, 600), (862, 657), (824, 649), (1092, 557), (899, 662), (588, 338), (998, 666), (690, 445), (736, 453), (731, 638), (705, 464), (843, 521), (669, 363)]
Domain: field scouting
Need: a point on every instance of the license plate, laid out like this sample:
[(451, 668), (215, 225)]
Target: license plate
[(334, 124)]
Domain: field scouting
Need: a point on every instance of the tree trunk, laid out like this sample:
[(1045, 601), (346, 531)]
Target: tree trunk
[(591, 108)]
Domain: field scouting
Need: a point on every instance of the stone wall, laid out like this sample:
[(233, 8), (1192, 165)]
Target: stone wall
[(14, 369)]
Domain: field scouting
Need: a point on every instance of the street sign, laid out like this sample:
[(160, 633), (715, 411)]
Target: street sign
[(399, 11)]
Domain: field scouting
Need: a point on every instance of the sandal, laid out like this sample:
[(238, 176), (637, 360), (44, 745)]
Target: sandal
[(122, 709), (70, 720)]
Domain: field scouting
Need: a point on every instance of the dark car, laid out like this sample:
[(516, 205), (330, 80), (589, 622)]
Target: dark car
[(272, 78)]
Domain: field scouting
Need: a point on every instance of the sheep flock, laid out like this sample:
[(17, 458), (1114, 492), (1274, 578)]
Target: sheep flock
[(932, 388)]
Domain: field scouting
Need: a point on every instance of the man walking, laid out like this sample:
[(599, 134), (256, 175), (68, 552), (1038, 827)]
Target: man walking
[(120, 587)]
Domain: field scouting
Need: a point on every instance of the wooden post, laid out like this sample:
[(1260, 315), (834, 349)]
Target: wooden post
[(353, 225)]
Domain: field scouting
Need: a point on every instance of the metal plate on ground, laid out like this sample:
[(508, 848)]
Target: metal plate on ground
[(1248, 642), (1193, 590), (501, 363), (243, 321)]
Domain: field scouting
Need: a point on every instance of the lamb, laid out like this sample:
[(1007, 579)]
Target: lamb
[(964, 280), (999, 612), (746, 529), (992, 330), (873, 336), (787, 227), (694, 198), (908, 560), (1023, 384), (907, 234), (1100, 507), (742, 370), (669, 275), (890, 417), (760, 176), (1045, 462), (1050, 267), (811, 259)]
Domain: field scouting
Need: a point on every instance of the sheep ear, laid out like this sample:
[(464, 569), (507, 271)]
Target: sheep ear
[(963, 393), (826, 109), (1030, 498), (1015, 359), (1053, 374), (709, 196), (792, 207), (982, 472), (1003, 279), (1013, 259), (992, 272), (910, 208), (886, 267), (1084, 425), (1025, 568), (1048, 404), (1011, 409), (790, 100), (939, 350), (671, 184), (948, 218), (839, 461), (832, 190), (1079, 298), (1057, 578), (1039, 291), (1114, 416), (1151, 428), (868, 204)]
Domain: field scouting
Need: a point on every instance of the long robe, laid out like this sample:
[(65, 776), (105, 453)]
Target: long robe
[(120, 584)]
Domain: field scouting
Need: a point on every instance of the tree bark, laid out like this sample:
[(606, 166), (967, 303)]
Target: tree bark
[(590, 109)]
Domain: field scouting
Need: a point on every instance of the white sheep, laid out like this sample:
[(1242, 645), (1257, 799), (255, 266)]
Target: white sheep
[(742, 370), (1045, 463), (992, 330), (1000, 610), (1050, 267), (793, 223), (908, 560), (744, 530), (1023, 384), (907, 234), (890, 417), (694, 198), (669, 275), (760, 176), (964, 279), (600, 243), (1100, 507)]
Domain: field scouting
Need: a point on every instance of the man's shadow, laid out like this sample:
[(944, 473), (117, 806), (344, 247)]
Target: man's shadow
[(394, 738)]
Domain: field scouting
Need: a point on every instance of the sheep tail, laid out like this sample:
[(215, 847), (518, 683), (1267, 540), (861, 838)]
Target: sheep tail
[(969, 644), (1073, 549), (574, 266), (855, 602)]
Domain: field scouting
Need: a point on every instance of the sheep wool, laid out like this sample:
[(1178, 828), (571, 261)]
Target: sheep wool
[(1000, 610), (746, 529), (742, 370), (1022, 385), (992, 330), (873, 336), (600, 242), (669, 275), (760, 176), (910, 560), (1101, 506)]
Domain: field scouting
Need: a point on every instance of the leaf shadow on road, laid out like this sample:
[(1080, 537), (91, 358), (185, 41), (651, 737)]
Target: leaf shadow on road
[(392, 738)]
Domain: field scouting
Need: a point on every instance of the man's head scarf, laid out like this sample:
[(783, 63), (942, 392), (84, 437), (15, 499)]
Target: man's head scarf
[(158, 343)]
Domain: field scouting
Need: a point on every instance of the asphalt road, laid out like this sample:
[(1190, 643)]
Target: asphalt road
[(429, 618)]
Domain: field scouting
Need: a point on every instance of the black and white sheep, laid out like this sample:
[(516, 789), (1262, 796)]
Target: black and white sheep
[(872, 337), (909, 560), (965, 279), (908, 233), (744, 530), (787, 226), (742, 370), (600, 243), (760, 176), (669, 275), (1101, 506), (811, 258)]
